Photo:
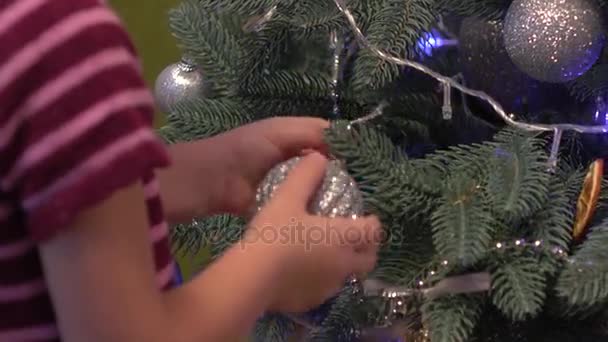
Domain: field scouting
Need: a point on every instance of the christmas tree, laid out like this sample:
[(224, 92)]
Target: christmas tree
[(494, 205)]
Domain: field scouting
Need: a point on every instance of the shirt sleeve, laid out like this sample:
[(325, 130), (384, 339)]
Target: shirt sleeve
[(85, 130)]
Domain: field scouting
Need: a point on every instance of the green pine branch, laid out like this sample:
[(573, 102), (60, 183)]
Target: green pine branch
[(290, 84), (518, 287), (462, 224), (207, 117), (584, 280), (395, 29), (266, 45), (406, 253), (365, 11), (270, 107), (202, 36), (553, 223), (313, 17), (388, 184), (364, 151), (464, 159), (518, 176), (452, 318)]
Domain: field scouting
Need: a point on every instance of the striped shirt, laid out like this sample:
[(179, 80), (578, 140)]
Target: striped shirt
[(75, 126)]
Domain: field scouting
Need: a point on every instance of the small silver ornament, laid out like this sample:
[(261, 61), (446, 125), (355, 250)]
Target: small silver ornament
[(554, 40), (338, 195), (178, 83)]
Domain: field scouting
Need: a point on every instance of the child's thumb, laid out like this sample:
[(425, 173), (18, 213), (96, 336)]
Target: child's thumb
[(304, 180)]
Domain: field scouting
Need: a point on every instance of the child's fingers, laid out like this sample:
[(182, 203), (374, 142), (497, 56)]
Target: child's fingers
[(303, 181), (292, 135)]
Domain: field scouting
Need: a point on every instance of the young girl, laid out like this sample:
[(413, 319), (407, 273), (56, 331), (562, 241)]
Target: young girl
[(85, 186)]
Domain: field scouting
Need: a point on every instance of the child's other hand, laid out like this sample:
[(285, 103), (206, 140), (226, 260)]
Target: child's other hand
[(315, 255)]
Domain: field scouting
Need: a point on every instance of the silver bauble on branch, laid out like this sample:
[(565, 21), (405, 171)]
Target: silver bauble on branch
[(178, 83), (554, 40), (337, 196)]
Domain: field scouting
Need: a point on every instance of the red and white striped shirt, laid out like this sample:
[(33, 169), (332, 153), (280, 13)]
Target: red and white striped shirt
[(75, 126)]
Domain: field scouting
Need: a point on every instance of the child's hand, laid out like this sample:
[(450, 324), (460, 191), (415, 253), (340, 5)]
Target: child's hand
[(256, 148), (316, 255), (221, 174)]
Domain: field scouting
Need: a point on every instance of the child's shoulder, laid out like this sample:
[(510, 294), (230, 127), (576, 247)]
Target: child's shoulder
[(75, 112)]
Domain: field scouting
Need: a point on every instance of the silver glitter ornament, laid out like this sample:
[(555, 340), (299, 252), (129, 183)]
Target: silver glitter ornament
[(554, 40), (178, 83), (338, 195)]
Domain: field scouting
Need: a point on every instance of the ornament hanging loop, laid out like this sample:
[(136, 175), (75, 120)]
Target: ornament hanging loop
[(186, 64)]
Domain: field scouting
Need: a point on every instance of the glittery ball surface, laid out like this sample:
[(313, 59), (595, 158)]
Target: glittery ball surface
[(338, 195), (178, 83), (554, 40)]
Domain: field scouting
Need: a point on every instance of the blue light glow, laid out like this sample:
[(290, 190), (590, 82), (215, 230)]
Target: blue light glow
[(433, 40)]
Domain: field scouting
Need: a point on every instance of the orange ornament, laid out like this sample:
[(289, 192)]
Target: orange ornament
[(587, 201)]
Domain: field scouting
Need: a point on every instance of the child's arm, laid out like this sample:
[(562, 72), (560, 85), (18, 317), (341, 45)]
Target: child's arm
[(101, 274)]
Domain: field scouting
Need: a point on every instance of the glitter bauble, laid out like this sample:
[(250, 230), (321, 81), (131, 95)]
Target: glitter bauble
[(179, 83), (554, 40), (337, 196), (488, 67)]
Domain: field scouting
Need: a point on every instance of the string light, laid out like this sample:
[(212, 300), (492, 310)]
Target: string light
[(508, 118)]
